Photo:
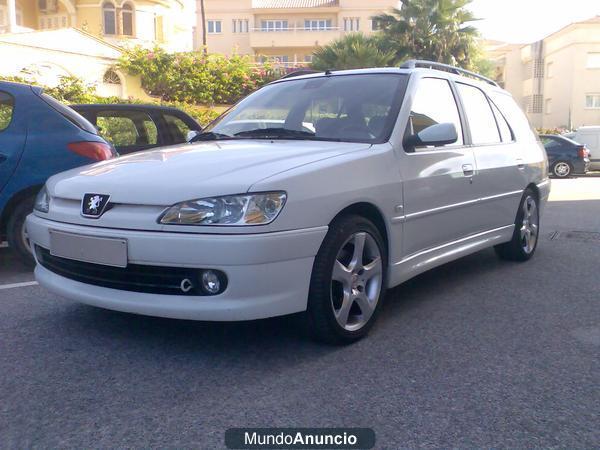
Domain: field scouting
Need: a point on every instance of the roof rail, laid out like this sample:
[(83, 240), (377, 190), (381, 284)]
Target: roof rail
[(414, 63), (299, 73)]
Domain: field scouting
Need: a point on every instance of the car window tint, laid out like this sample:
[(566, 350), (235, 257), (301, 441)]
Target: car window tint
[(70, 114), (514, 116), (434, 103), (480, 117), (127, 128), (177, 129), (7, 106), (505, 132)]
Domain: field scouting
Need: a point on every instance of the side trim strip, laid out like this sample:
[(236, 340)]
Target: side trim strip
[(449, 244), (440, 209)]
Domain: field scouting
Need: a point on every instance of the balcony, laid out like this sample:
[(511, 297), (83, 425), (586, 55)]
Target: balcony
[(292, 37)]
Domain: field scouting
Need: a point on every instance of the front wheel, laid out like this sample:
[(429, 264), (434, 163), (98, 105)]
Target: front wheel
[(347, 283), (527, 230)]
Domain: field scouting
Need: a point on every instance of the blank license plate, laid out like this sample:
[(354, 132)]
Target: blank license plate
[(105, 251)]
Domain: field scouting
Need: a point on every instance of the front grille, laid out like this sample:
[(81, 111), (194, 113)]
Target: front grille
[(134, 277)]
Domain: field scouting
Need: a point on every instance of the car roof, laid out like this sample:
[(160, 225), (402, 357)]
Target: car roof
[(12, 85), (123, 107), (441, 72)]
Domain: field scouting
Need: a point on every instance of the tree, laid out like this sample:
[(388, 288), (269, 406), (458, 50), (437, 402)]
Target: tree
[(353, 51), (435, 30)]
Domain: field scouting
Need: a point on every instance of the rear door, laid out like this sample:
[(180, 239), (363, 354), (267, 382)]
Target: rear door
[(128, 130), (13, 131), (500, 162)]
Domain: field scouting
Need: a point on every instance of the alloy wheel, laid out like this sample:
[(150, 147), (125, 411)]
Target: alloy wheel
[(356, 281), (562, 169), (530, 225)]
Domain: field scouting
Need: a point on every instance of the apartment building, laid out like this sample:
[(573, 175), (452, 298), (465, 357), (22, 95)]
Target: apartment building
[(286, 31), (169, 23), (557, 79)]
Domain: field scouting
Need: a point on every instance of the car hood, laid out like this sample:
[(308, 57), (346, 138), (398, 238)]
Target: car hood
[(169, 175)]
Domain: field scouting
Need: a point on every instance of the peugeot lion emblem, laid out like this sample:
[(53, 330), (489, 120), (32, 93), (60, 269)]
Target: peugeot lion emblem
[(94, 205)]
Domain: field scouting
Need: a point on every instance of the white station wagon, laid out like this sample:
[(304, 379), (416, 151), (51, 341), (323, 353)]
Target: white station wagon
[(349, 183)]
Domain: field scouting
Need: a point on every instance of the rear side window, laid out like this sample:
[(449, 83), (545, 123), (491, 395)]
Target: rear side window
[(480, 116), (514, 116), (434, 103), (69, 114), (505, 132), (127, 128), (7, 106)]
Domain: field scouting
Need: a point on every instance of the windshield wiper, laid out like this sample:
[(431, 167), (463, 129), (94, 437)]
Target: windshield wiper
[(210, 136), (276, 133)]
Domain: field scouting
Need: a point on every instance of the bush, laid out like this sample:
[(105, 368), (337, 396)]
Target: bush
[(193, 77), (71, 90)]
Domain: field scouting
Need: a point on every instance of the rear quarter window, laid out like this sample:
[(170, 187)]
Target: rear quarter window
[(514, 116), (7, 106)]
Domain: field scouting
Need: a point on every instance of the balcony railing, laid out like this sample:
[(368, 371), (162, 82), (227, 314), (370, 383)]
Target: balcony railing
[(292, 36)]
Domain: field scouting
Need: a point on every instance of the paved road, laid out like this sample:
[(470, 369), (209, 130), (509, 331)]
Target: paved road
[(477, 353)]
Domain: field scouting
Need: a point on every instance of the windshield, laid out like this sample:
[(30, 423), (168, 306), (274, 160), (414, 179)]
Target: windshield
[(352, 108)]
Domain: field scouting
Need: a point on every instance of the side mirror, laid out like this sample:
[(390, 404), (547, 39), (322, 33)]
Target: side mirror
[(434, 135), (191, 135)]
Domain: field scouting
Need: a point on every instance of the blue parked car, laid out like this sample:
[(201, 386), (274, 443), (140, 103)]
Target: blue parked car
[(39, 137), (565, 156)]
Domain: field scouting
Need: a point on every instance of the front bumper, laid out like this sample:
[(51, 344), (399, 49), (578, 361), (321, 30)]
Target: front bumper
[(268, 274)]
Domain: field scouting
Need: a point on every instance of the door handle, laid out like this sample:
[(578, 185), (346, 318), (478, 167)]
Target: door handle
[(467, 170), (520, 164)]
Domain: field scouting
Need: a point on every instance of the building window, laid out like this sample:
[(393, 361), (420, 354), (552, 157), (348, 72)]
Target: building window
[(593, 61), (308, 58), (109, 15), (239, 26), (317, 24), (274, 25), (592, 101), (351, 23), (548, 106), (549, 70), (127, 19), (111, 77), (214, 26), (375, 25)]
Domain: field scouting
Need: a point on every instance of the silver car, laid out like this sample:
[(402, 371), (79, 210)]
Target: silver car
[(362, 180)]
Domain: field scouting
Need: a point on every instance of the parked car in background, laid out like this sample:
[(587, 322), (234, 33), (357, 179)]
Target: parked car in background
[(401, 170), (590, 137), (39, 137), (565, 156), (132, 128)]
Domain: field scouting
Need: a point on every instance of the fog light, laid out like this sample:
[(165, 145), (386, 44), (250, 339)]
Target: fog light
[(211, 282)]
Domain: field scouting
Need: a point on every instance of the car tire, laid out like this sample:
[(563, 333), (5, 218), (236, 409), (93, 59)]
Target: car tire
[(526, 234), (16, 234), (562, 169), (348, 281)]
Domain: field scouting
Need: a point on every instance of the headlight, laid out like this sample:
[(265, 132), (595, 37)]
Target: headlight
[(42, 201), (251, 209)]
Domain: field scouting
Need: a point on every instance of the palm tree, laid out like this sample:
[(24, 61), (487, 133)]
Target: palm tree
[(203, 16), (353, 51), (436, 30)]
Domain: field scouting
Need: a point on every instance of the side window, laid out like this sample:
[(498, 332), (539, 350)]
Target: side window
[(177, 129), (505, 131), (434, 103), (127, 128), (480, 117), (7, 105)]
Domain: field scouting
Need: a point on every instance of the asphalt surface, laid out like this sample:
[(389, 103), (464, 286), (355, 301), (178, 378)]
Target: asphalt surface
[(476, 353)]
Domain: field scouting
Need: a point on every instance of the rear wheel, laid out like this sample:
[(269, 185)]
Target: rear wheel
[(16, 232), (347, 282), (562, 169), (527, 229)]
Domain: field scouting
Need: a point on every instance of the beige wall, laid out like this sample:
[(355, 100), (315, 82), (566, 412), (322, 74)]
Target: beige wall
[(294, 43), (566, 79)]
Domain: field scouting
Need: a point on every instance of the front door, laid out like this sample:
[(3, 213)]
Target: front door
[(12, 136), (439, 198)]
